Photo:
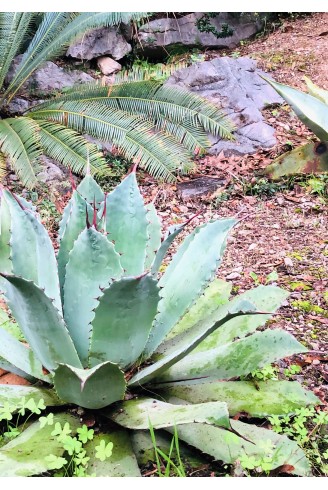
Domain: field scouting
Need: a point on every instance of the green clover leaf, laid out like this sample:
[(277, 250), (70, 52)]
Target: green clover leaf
[(55, 462), (72, 445), (104, 451), (48, 420), (60, 432), (85, 434)]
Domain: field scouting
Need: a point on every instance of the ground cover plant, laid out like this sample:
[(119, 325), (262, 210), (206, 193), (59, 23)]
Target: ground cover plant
[(161, 128), (105, 333)]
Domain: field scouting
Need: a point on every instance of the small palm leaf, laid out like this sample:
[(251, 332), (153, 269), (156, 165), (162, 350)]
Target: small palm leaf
[(158, 153), (14, 27), (20, 141), (71, 149), (154, 101)]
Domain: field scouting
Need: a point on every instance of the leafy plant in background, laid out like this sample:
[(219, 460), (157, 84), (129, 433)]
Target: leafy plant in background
[(104, 333), (159, 127), (203, 24), (312, 109)]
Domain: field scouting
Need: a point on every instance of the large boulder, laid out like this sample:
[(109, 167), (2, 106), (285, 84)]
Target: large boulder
[(100, 42), (236, 86), (160, 36)]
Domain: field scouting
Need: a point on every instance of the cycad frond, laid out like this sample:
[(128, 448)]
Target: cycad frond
[(156, 152), (153, 101), (56, 32), (20, 142), (52, 24), (14, 28), (191, 136), (71, 149)]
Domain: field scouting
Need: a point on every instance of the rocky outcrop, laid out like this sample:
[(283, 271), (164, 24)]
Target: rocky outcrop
[(160, 36), (100, 42), (236, 86)]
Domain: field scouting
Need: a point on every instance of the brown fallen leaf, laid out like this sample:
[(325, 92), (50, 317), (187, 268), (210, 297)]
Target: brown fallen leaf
[(319, 319), (285, 468)]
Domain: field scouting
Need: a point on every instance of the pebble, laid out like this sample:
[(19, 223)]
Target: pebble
[(232, 276)]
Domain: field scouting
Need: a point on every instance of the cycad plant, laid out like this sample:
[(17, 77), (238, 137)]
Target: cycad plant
[(104, 332), (312, 109), (158, 127)]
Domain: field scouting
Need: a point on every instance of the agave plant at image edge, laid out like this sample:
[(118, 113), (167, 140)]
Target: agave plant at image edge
[(95, 313), (159, 127), (312, 110)]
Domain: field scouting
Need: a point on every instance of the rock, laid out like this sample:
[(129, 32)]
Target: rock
[(48, 78), (18, 106), (54, 174), (160, 36), (232, 276), (102, 145), (52, 77), (100, 42), (198, 187), (107, 65), (235, 86)]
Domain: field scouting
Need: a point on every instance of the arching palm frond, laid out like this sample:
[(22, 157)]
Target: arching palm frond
[(20, 142), (157, 152), (185, 116), (56, 32), (69, 148), (14, 29), (153, 100)]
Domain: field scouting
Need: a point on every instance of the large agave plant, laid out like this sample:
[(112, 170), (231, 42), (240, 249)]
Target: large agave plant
[(159, 127), (103, 331), (312, 109)]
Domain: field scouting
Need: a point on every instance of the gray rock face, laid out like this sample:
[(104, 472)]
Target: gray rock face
[(49, 77), (18, 106), (235, 86), (170, 33), (52, 77), (100, 42)]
